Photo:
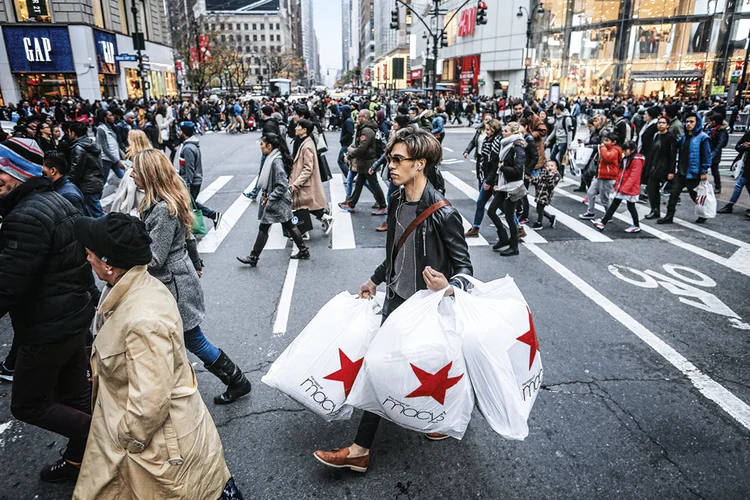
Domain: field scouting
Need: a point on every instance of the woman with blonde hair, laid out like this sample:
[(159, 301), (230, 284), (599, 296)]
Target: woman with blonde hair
[(128, 197), (165, 210)]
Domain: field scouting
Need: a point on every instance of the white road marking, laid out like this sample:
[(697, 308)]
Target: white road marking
[(213, 188), (579, 227), (711, 389), (276, 238), (743, 268), (448, 149), (211, 241), (343, 231), (473, 242), (285, 301), (451, 161), (4, 427)]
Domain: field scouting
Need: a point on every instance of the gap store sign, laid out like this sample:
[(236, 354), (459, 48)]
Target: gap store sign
[(33, 49)]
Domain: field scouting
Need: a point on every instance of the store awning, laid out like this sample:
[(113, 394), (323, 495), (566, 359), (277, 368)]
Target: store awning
[(677, 76)]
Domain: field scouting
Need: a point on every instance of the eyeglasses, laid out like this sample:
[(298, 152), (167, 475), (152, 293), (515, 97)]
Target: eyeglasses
[(397, 160)]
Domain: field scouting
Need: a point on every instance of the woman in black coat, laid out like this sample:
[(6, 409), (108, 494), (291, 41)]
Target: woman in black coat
[(660, 164)]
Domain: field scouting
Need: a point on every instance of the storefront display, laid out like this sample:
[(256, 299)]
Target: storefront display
[(109, 68)]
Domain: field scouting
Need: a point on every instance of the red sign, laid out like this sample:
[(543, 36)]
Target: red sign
[(468, 70), (194, 60), (367, 75), (416, 74), (178, 65), (467, 22)]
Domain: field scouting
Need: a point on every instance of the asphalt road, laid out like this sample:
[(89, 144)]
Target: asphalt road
[(644, 340)]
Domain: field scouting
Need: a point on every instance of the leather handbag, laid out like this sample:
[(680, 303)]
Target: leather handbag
[(324, 169)]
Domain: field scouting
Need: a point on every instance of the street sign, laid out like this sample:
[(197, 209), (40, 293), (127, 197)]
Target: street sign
[(126, 57), (145, 58), (146, 66)]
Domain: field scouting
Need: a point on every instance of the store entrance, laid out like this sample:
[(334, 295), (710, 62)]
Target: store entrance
[(49, 86)]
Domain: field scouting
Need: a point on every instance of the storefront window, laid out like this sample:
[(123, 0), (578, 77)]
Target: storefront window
[(108, 85), (157, 84), (654, 9), (49, 86), (170, 83), (596, 11), (32, 11), (133, 83)]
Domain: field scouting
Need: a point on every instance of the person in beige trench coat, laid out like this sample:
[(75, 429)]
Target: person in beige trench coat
[(151, 435), (307, 188)]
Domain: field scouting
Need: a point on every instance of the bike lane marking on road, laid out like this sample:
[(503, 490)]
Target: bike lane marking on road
[(285, 301), (531, 235), (734, 406), (342, 234), (213, 188), (211, 241), (742, 268)]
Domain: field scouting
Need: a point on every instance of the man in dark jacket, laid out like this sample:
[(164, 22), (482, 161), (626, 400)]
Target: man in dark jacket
[(44, 285), (361, 158), (191, 169), (433, 256), (718, 132), (693, 165), (56, 168), (345, 139), (86, 168)]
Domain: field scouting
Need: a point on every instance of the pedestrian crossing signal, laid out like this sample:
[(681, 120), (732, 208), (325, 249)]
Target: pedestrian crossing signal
[(481, 13), (394, 19)]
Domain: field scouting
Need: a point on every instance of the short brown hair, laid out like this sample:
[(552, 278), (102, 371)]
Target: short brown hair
[(495, 125), (420, 144)]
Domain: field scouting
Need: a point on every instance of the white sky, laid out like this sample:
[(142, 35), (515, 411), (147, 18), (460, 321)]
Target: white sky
[(328, 28)]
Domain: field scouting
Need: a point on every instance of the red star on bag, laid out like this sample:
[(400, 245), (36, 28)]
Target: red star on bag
[(530, 339), (347, 373), (434, 386)]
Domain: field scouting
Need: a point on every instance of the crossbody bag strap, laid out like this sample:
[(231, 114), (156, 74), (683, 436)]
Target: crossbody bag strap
[(419, 220)]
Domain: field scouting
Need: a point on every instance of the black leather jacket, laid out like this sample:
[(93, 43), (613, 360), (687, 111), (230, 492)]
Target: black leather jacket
[(86, 166), (439, 241)]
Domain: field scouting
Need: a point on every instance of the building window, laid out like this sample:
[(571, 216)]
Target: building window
[(255, 26), (223, 38), (221, 27), (231, 38), (263, 48), (245, 26), (143, 23), (229, 26), (213, 27), (27, 10), (262, 26), (247, 38), (262, 38), (247, 48), (255, 38), (124, 21), (265, 71), (277, 26), (239, 26), (99, 14)]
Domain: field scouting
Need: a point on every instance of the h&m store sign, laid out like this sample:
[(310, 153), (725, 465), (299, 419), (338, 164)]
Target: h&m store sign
[(47, 50)]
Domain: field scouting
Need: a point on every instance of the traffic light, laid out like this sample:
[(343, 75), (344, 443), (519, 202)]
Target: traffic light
[(481, 13), (394, 19), (443, 39)]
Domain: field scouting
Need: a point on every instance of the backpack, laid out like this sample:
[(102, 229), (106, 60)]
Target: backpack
[(629, 131), (380, 141)]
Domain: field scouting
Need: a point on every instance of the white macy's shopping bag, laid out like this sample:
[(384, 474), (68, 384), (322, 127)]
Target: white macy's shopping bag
[(414, 372), (320, 366)]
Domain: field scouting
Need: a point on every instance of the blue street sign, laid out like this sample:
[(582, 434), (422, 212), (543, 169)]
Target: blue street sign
[(126, 57)]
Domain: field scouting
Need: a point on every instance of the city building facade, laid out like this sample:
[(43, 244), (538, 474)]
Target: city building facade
[(639, 47), (66, 48), (366, 39)]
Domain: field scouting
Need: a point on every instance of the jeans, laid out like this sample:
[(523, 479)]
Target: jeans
[(256, 189), (372, 180), (738, 189), (51, 391), (715, 171), (502, 199), (558, 152), (484, 197), (207, 212), (107, 166), (93, 205), (605, 188), (342, 164), (681, 181), (197, 343), (368, 424)]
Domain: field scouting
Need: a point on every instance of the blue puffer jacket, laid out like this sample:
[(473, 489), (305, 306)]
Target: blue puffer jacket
[(695, 152)]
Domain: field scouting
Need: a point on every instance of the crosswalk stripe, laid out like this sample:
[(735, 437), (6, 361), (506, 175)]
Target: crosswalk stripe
[(579, 227), (669, 238), (213, 188), (211, 241), (342, 234), (285, 301), (448, 149), (276, 238)]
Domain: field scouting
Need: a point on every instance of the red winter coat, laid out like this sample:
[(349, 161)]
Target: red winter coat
[(629, 182), (610, 158)]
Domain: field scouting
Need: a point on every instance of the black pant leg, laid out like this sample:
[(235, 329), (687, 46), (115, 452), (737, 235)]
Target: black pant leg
[(654, 194), (261, 239), (611, 210), (359, 184), (633, 213), (509, 210), (377, 191), (674, 195), (495, 204)]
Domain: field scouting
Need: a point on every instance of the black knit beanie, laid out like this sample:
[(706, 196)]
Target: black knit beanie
[(120, 240)]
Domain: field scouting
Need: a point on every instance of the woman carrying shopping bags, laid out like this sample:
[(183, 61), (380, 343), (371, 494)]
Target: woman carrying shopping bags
[(276, 201), (151, 435), (425, 245), (165, 209)]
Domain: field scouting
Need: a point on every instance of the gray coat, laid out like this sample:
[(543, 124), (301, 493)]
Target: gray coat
[(172, 266), (279, 206)]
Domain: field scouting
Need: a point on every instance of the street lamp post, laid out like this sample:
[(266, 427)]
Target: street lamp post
[(139, 45), (539, 9)]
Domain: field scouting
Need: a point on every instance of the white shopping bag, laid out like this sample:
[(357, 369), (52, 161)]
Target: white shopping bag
[(414, 372), (318, 369), (705, 202), (502, 354), (583, 155)]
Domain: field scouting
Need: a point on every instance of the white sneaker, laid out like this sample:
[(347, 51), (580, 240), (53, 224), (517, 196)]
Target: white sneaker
[(633, 229), (327, 221)]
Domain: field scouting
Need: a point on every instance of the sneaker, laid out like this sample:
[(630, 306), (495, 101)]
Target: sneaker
[(472, 233), (521, 233), (553, 221), (587, 216), (598, 224), (726, 209), (633, 229), (667, 219), (5, 373), (585, 201), (537, 225), (217, 219), (62, 470), (327, 222), (340, 459), (380, 211), (436, 436), (346, 208), (509, 252), (250, 195), (382, 228), (524, 220)]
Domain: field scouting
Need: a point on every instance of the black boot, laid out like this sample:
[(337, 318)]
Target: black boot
[(667, 219), (60, 471), (231, 376), (510, 251), (303, 254), (251, 260), (654, 214), (726, 209)]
